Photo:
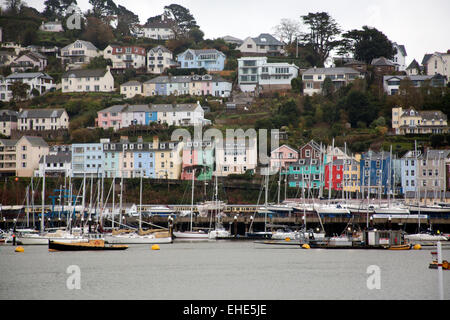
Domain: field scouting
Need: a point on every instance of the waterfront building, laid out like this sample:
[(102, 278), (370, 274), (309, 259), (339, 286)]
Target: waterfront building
[(376, 172), (29, 152), (352, 174), (8, 122), (236, 156), (431, 172), (8, 157), (87, 159), (168, 159), (198, 156), (409, 169), (282, 156), (57, 164)]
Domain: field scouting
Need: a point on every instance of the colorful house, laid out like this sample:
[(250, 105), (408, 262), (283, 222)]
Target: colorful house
[(198, 156), (210, 59), (376, 172), (282, 156)]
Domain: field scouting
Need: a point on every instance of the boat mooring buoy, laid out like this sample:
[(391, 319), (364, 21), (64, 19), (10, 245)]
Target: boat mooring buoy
[(155, 247), (19, 249), (306, 246), (287, 239), (417, 247)]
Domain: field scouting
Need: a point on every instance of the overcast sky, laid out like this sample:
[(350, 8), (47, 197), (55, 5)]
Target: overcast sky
[(421, 26)]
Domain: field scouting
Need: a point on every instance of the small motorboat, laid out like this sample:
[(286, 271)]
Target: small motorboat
[(435, 265), (87, 245), (399, 247)]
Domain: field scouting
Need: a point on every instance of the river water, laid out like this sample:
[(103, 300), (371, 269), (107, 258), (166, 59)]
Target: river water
[(228, 270)]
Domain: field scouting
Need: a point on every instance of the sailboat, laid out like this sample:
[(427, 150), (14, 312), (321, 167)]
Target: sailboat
[(191, 234), (42, 237), (261, 234), (219, 232), (133, 236)]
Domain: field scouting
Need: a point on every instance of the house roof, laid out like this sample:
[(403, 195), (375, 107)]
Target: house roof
[(267, 39), (160, 24), (87, 44), (382, 61), (426, 57), (413, 65), (435, 154), (9, 142), (285, 145), (33, 56), (162, 48), (433, 115), (36, 141), (330, 70), (41, 113), (202, 51), (183, 79), (83, 73), (64, 157), (151, 108), (401, 48), (29, 75), (131, 83), (232, 39)]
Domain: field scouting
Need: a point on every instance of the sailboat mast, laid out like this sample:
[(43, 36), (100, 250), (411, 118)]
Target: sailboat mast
[(390, 177), (343, 171), (192, 198), (140, 204), (28, 206), (368, 190), (120, 205), (83, 201), (113, 201), (279, 184), (43, 198), (330, 173), (265, 201)]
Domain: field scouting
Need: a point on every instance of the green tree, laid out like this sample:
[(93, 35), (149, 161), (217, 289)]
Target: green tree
[(99, 63), (196, 34), (184, 20), (358, 108), (323, 34), (367, 44), (98, 32), (19, 90), (127, 20), (103, 8), (297, 85), (327, 87)]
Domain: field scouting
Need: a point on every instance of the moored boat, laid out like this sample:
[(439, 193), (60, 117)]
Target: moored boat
[(84, 245)]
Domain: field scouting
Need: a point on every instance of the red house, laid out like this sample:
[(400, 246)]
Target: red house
[(337, 174)]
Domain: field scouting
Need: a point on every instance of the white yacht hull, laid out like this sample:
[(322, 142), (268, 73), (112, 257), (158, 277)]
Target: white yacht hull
[(43, 240), (136, 239), (217, 234), (190, 235), (425, 237)]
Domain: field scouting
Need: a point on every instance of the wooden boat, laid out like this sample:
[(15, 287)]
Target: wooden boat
[(89, 245), (400, 247), (434, 265)]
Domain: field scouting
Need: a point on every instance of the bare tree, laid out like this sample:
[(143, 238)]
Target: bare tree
[(288, 30)]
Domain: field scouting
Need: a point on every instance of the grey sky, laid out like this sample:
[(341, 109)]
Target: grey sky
[(421, 26)]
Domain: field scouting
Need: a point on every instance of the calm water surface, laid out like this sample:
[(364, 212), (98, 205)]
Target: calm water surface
[(218, 270)]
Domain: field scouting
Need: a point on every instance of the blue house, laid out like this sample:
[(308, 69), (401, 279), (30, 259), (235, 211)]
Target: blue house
[(376, 172), (210, 59), (87, 159), (151, 117)]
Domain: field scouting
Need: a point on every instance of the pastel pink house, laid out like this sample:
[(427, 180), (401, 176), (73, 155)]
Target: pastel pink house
[(283, 156), (110, 118)]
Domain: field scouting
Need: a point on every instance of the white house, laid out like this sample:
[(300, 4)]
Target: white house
[(400, 57), (42, 119), (131, 88), (313, 78), (391, 84), (180, 114), (40, 81), (27, 61), (159, 59), (56, 164), (264, 44), (256, 74), (157, 30), (52, 26), (437, 63), (125, 57), (79, 53), (94, 80), (236, 156)]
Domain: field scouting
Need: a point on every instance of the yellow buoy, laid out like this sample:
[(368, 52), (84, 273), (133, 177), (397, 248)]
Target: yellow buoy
[(306, 246), (417, 247), (155, 247), (288, 239), (20, 249)]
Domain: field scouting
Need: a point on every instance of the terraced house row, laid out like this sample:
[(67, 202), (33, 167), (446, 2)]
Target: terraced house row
[(196, 85), (124, 116)]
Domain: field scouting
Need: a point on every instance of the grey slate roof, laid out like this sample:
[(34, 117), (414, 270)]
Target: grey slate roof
[(183, 79), (426, 57), (413, 65), (330, 71), (41, 113), (131, 83), (162, 48), (83, 73), (36, 141), (64, 157), (435, 154), (151, 108), (269, 40), (382, 61), (28, 75), (401, 48), (87, 44), (433, 115), (9, 142)]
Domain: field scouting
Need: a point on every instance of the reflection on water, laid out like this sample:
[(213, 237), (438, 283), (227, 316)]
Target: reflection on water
[(218, 270)]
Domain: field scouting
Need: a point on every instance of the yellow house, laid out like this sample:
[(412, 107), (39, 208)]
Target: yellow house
[(352, 174), (410, 121), (168, 159)]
